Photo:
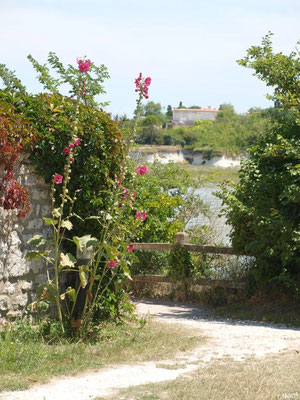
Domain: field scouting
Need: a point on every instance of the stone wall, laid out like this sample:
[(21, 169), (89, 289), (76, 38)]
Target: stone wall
[(19, 277)]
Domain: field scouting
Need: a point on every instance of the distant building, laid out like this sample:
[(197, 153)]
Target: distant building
[(187, 116)]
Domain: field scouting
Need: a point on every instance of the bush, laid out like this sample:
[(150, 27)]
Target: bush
[(264, 208)]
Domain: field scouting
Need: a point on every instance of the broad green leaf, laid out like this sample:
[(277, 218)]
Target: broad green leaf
[(56, 212), (36, 254), (32, 306), (36, 240), (50, 221), (71, 294), (85, 241), (47, 292), (42, 306), (83, 277), (67, 224), (67, 260)]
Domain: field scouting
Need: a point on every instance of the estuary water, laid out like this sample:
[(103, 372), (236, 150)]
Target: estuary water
[(215, 221)]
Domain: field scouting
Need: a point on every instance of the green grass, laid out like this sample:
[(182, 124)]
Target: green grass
[(252, 379), (24, 361), (280, 312), (211, 174)]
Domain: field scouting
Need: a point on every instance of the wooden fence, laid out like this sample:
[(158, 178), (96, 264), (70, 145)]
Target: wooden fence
[(182, 239)]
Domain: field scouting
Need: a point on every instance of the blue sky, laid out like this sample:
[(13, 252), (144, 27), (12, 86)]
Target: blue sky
[(188, 47)]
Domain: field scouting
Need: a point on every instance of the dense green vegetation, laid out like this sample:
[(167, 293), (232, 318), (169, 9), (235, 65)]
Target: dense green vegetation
[(231, 133), (264, 208)]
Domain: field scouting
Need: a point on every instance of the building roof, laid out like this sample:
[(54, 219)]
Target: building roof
[(197, 109)]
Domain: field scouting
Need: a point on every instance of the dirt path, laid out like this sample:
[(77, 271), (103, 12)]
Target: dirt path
[(235, 339)]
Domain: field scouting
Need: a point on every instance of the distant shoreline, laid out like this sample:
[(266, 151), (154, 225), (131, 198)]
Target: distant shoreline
[(178, 155)]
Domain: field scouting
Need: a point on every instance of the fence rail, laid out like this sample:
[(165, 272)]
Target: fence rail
[(182, 239), (187, 247)]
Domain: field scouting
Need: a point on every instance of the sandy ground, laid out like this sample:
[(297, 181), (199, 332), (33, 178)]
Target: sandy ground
[(226, 338)]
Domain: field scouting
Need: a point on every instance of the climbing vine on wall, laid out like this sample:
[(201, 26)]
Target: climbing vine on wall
[(15, 134)]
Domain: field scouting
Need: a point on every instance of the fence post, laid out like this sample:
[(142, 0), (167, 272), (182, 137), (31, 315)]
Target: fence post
[(180, 239)]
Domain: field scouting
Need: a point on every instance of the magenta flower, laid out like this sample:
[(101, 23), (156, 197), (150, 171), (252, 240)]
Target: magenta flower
[(58, 179), (138, 214), (122, 198), (141, 169), (125, 191), (72, 159), (130, 248), (71, 145), (144, 216), (120, 182), (83, 65), (66, 151), (134, 196), (142, 85), (112, 264), (77, 141)]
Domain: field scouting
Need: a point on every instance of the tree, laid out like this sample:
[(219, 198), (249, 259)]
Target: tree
[(169, 112), (226, 112), (264, 208), (149, 129), (152, 108)]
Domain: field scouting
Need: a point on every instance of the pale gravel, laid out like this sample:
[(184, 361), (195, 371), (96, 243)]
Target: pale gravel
[(225, 338)]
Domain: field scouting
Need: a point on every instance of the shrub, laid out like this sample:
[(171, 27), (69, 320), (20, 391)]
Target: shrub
[(264, 208)]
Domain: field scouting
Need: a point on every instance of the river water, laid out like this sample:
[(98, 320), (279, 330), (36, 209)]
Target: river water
[(215, 221)]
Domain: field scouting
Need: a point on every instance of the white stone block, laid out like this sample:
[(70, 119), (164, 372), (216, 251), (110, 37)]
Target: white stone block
[(16, 266), (35, 224), (4, 303), (44, 194)]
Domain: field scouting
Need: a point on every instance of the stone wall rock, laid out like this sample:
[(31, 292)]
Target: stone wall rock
[(19, 277)]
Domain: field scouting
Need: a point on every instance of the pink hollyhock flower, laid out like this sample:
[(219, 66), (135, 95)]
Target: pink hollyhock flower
[(71, 145), (142, 85), (144, 216), (125, 191), (130, 248), (77, 141), (58, 179), (120, 182), (134, 196), (112, 264), (83, 65), (138, 214), (66, 151), (122, 198), (141, 169), (72, 159)]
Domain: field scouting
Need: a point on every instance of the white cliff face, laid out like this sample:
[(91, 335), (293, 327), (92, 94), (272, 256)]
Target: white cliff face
[(162, 156), (223, 162), (180, 156)]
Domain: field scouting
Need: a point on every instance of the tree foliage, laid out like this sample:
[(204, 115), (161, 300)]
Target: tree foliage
[(264, 208)]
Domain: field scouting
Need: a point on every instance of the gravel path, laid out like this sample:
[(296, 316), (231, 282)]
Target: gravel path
[(226, 338)]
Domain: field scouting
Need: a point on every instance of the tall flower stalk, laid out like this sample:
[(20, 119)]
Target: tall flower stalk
[(109, 248)]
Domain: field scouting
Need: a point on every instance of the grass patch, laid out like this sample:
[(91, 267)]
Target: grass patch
[(24, 362), (280, 312), (156, 148), (225, 379), (211, 174)]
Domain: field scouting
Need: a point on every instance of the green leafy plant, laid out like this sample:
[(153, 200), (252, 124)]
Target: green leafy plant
[(264, 208), (66, 126)]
